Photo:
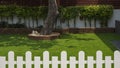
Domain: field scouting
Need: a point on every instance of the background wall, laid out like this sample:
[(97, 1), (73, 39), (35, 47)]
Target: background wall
[(115, 3)]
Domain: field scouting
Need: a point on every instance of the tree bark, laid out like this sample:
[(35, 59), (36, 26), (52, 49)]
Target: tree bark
[(51, 17)]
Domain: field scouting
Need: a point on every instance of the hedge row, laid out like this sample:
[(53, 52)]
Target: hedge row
[(21, 11), (92, 12)]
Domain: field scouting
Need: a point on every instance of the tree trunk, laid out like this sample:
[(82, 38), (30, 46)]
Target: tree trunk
[(51, 18), (95, 23), (12, 18), (33, 23), (85, 22), (37, 22), (74, 22)]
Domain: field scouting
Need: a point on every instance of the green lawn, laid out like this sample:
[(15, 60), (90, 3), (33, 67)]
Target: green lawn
[(72, 43)]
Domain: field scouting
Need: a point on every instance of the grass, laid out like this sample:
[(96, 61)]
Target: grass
[(72, 43)]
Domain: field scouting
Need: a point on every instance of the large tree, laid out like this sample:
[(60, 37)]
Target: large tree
[(51, 17)]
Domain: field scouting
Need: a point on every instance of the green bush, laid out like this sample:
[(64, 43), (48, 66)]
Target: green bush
[(22, 11), (102, 12), (92, 12), (105, 12), (4, 11)]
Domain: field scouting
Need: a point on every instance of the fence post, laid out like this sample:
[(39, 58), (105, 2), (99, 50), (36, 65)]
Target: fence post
[(11, 59), (2, 62), (20, 62), (54, 62), (90, 62), (46, 59), (117, 59), (37, 62), (81, 59), (99, 59), (28, 59), (72, 62), (63, 59), (108, 62)]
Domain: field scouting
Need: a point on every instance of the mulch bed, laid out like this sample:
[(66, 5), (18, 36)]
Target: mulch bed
[(44, 37)]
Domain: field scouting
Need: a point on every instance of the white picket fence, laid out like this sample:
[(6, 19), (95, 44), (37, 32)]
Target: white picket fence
[(37, 62)]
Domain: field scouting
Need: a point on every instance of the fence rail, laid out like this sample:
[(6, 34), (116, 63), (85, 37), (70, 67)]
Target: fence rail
[(45, 62)]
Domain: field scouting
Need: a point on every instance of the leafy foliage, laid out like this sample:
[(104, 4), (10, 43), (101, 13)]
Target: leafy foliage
[(22, 11), (102, 12), (96, 12)]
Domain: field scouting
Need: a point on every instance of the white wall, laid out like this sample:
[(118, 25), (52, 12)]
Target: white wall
[(116, 16), (79, 23)]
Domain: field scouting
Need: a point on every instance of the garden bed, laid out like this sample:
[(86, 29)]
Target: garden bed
[(44, 37), (70, 30), (87, 30)]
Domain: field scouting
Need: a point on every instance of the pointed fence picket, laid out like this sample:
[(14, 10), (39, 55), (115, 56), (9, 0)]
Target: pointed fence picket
[(37, 62)]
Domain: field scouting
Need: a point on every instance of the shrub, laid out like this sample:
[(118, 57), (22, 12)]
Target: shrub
[(96, 12)]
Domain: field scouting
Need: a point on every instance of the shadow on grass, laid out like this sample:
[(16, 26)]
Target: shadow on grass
[(71, 46), (44, 44), (107, 38), (85, 39), (70, 36), (20, 40)]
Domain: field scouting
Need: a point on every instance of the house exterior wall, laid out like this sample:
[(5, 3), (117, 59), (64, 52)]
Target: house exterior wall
[(116, 16), (115, 3), (117, 28)]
